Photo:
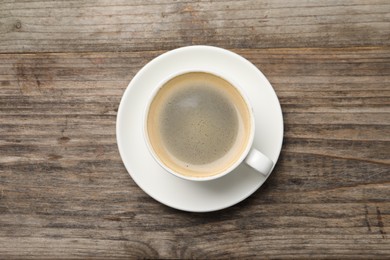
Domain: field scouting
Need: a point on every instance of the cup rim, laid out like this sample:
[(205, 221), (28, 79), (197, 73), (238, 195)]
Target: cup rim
[(243, 95)]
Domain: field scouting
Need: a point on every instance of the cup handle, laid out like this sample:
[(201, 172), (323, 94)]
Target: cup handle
[(259, 162)]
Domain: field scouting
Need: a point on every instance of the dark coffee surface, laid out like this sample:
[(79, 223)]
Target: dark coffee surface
[(199, 124)]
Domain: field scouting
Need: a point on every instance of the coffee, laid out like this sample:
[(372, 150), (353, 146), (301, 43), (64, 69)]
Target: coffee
[(198, 124)]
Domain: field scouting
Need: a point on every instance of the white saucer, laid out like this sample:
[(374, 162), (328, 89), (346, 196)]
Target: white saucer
[(171, 190)]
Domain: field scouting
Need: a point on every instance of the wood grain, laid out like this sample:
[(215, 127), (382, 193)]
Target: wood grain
[(64, 192), (118, 25)]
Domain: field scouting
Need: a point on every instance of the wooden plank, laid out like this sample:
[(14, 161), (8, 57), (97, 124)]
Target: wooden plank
[(118, 25), (64, 192)]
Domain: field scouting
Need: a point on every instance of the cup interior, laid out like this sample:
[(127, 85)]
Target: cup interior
[(164, 140)]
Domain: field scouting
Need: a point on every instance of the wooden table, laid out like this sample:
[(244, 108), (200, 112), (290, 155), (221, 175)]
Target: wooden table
[(64, 192)]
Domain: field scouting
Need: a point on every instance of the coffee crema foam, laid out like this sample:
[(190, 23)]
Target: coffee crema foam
[(198, 124)]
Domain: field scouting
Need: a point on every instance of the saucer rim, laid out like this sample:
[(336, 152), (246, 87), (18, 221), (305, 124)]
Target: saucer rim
[(132, 84)]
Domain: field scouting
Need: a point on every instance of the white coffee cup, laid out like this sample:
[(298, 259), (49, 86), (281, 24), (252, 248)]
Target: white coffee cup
[(165, 134)]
